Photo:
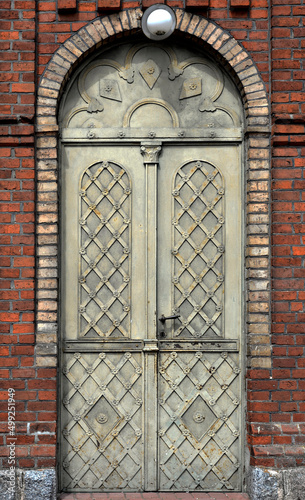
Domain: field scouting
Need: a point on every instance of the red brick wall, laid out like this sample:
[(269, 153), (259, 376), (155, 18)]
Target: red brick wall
[(30, 34), (278, 397), (17, 56)]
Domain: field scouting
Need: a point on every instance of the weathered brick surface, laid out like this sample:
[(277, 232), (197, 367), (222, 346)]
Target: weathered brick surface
[(31, 33)]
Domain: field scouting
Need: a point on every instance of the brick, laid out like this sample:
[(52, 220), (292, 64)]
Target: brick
[(114, 4), (197, 4), (67, 5), (43, 451)]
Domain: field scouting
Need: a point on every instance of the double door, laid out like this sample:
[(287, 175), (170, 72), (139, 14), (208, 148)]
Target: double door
[(151, 317)]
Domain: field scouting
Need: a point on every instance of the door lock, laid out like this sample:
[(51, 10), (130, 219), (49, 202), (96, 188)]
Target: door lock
[(162, 320)]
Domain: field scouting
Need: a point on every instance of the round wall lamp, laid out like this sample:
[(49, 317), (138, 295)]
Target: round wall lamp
[(158, 22)]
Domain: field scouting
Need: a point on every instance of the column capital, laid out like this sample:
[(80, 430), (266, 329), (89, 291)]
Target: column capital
[(151, 152)]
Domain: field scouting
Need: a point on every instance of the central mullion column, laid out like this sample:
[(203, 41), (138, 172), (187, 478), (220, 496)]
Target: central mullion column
[(150, 152)]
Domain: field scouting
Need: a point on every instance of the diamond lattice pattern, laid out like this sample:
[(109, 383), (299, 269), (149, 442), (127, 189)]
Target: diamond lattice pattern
[(199, 421), (102, 422), (198, 247), (105, 206)]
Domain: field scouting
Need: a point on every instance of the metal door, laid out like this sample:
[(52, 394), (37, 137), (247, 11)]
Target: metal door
[(199, 259), (151, 273), (151, 384)]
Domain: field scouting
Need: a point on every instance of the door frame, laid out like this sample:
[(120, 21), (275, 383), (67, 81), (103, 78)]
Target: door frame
[(257, 154)]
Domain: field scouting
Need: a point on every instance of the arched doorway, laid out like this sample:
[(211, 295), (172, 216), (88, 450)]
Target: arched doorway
[(152, 273)]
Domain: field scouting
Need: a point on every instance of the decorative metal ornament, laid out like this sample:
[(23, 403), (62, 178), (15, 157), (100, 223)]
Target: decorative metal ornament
[(195, 194), (110, 90), (105, 181), (150, 153), (150, 72), (207, 105), (191, 88), (95, 106), (102, 418)]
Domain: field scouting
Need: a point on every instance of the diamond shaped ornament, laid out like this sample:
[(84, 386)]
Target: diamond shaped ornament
[(102, 418), (198, 418), (150, 72), (191, 88), (110, 90)]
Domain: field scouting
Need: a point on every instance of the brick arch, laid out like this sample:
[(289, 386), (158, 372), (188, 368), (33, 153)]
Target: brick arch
[(104, 30), (238, 63)]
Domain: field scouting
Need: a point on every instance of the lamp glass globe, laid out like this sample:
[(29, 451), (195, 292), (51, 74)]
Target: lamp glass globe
[(159, 22)]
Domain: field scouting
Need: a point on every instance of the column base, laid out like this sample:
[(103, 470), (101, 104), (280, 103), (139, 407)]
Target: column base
[(276, 484), (24, 484)]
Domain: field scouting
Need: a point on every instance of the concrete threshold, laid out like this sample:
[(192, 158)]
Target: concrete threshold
[(154, 496)]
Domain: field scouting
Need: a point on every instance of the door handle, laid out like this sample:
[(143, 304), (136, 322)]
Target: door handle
[(163, 318)]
